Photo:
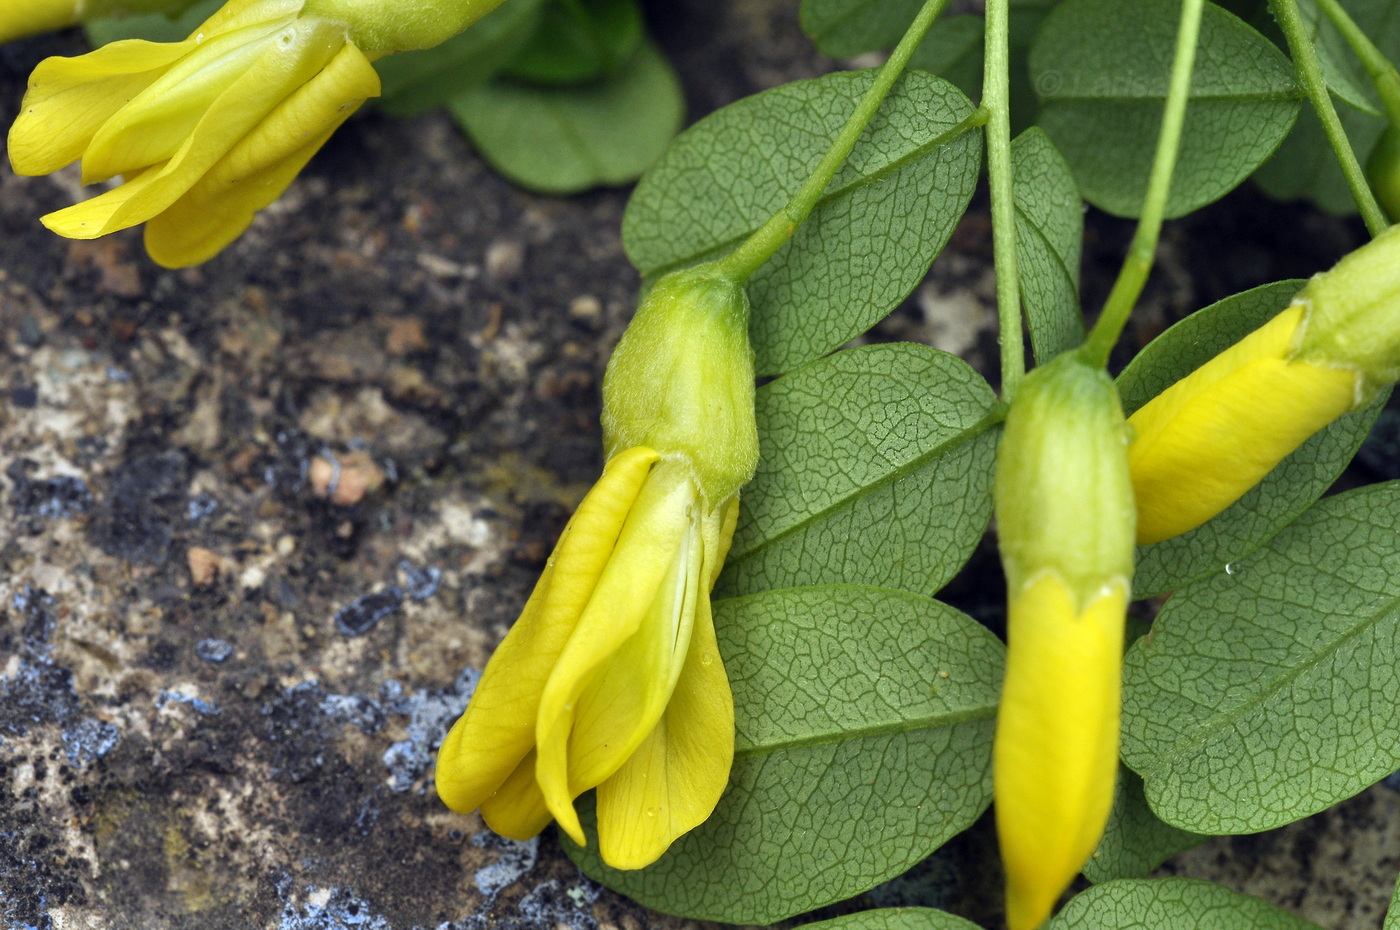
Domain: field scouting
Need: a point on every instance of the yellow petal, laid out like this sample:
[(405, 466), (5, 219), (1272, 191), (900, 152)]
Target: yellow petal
[(586, 731), (70, 98), (29, 17), (258, 169), (1055, 755), (517, 809), (1209, 438), (281, 69), (498, 729), (719, 528), (673, 781), (151, 126)]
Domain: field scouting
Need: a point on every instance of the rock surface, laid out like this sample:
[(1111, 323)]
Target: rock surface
[(263, 521)]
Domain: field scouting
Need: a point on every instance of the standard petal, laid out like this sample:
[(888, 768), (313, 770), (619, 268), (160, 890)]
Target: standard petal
[(260, 167), (70, 98), (517, 809), (672, 783), (642, 588), (497, 731), (34, 16), (1055, 755), (1209, 438)]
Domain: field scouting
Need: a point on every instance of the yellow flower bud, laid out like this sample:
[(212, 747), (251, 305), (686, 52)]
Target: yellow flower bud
[(1210, 437), (20, 18), (611, 678), (1064, 512), (681, 380), (205, 132)]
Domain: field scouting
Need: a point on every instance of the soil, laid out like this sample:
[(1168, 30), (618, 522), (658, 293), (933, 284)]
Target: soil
[(263, 521)]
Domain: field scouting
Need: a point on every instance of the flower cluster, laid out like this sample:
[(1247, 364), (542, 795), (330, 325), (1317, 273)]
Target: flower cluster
[(611, 678)]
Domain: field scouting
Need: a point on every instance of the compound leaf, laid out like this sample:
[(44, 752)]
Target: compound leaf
[(885, 216), (842, 28), (1285, 492), (875, 468), (1102, 67), (1264, 694), (895, 918), (864, 723)]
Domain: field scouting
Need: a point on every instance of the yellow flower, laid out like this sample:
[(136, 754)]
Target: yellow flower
[(611, 678), (1210, 437), (1064, 512), (205, 132)]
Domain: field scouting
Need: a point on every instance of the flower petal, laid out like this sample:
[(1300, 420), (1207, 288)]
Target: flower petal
[(70, 98), (497, 731), (673, 781), (1055, 755), (260, 167), (1206, 440), (626, 640), (34, 16), (280, 71), (517, 809)]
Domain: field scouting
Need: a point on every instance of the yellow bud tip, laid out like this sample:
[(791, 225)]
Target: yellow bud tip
[(20, 18), (1200, 445), (1055, 755)]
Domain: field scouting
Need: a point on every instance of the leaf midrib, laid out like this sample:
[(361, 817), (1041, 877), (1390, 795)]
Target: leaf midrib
[(906, 725), (1274, 687), (993, 416), (974, 119)]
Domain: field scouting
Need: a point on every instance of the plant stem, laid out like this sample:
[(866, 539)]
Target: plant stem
[(996, 99), (1380, 69), (759, 247), (1305, 61), (1133, 275)]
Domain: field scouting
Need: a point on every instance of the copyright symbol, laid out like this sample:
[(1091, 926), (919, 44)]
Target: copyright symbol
[(1049, 83)]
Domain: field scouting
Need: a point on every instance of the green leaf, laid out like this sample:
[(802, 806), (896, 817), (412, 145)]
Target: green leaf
[(864, 722), (567, 139), (886, 215), (842, 28), (952, 49), (577, 41), (1135, 841), (1341, 69), (415, 82), (895, 918), (153, 27), (1305, 166), (1266, 693), (1171, 904), (875, 467), (1102, 67), (1049, 235), (1392, 915), (1295, 483)]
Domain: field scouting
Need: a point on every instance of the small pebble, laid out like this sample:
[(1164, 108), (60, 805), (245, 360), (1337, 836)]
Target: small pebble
[(586, 309), (360, 616), (204, 566), (420, 583), (213, 650)]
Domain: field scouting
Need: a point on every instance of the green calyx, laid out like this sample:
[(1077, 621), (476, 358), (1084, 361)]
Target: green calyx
[(681, 380), (1353, 313), (1064, 497), (379, 28)]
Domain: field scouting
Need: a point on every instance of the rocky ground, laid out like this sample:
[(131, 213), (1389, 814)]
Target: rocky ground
[(262, 522)]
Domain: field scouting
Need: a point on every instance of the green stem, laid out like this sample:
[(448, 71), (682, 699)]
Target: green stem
[(996, 99), (1380, 69), (1300, 46), (759, 247), (1133, 275)]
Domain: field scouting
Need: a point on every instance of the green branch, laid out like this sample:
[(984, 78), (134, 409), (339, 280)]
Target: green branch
[(1133, 275), (1309, 70), (768, 238), (996, 99), (1380, 69)]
